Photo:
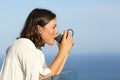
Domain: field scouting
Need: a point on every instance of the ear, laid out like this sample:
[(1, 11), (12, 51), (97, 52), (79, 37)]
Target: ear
[(39, 28)]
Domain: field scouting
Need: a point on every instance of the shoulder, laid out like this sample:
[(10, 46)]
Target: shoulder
[(23, 42), (25, 48), (26, 45), (23, 45)]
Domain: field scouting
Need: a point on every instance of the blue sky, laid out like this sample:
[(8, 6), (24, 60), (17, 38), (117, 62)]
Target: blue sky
[(96, 23)]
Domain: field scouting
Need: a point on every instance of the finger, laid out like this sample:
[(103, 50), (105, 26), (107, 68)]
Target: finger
[(65, 34), (73, 43), (69, 36)]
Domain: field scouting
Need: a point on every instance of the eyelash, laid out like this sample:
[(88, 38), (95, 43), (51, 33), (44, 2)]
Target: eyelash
[(54, 27)]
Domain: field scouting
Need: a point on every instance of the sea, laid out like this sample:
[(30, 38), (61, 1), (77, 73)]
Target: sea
[(102, 66)]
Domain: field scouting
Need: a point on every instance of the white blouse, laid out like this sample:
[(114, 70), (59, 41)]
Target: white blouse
[(23, 62)]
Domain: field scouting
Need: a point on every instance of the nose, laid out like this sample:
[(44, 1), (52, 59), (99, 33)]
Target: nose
[(56, 31)]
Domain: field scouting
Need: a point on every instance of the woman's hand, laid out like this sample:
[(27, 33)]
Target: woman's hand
[(67, 43)]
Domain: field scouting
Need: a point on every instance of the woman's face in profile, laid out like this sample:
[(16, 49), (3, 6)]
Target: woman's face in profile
[(49, 32)]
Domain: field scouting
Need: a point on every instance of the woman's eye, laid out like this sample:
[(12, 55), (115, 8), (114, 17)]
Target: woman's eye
[(54, 27)]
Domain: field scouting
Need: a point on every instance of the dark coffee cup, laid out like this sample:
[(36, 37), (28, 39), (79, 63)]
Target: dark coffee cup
[(60, 36)]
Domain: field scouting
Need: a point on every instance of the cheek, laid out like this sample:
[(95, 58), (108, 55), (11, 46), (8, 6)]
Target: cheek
[(48, 36), (51, 33)]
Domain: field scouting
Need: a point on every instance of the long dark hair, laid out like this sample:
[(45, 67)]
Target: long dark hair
[(36, 17)]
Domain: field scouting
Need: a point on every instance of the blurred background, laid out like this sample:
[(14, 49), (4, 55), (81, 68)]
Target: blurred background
[(96, 25)]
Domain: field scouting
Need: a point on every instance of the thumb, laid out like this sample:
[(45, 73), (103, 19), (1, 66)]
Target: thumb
[(65, 34)]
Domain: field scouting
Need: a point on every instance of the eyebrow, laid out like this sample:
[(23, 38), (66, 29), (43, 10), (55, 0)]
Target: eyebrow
[(55, 25)]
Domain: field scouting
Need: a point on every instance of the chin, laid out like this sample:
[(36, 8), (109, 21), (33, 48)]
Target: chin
[(51, 43)]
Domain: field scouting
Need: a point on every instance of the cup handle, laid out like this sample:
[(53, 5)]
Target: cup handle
[(71, 31)]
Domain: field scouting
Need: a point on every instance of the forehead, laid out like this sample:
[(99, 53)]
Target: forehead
[(53, 22)]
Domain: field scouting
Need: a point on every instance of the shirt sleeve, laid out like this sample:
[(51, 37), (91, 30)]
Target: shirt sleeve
[(31, 62)]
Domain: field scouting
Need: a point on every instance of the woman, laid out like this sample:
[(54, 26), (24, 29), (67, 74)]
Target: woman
[(25, 59)]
